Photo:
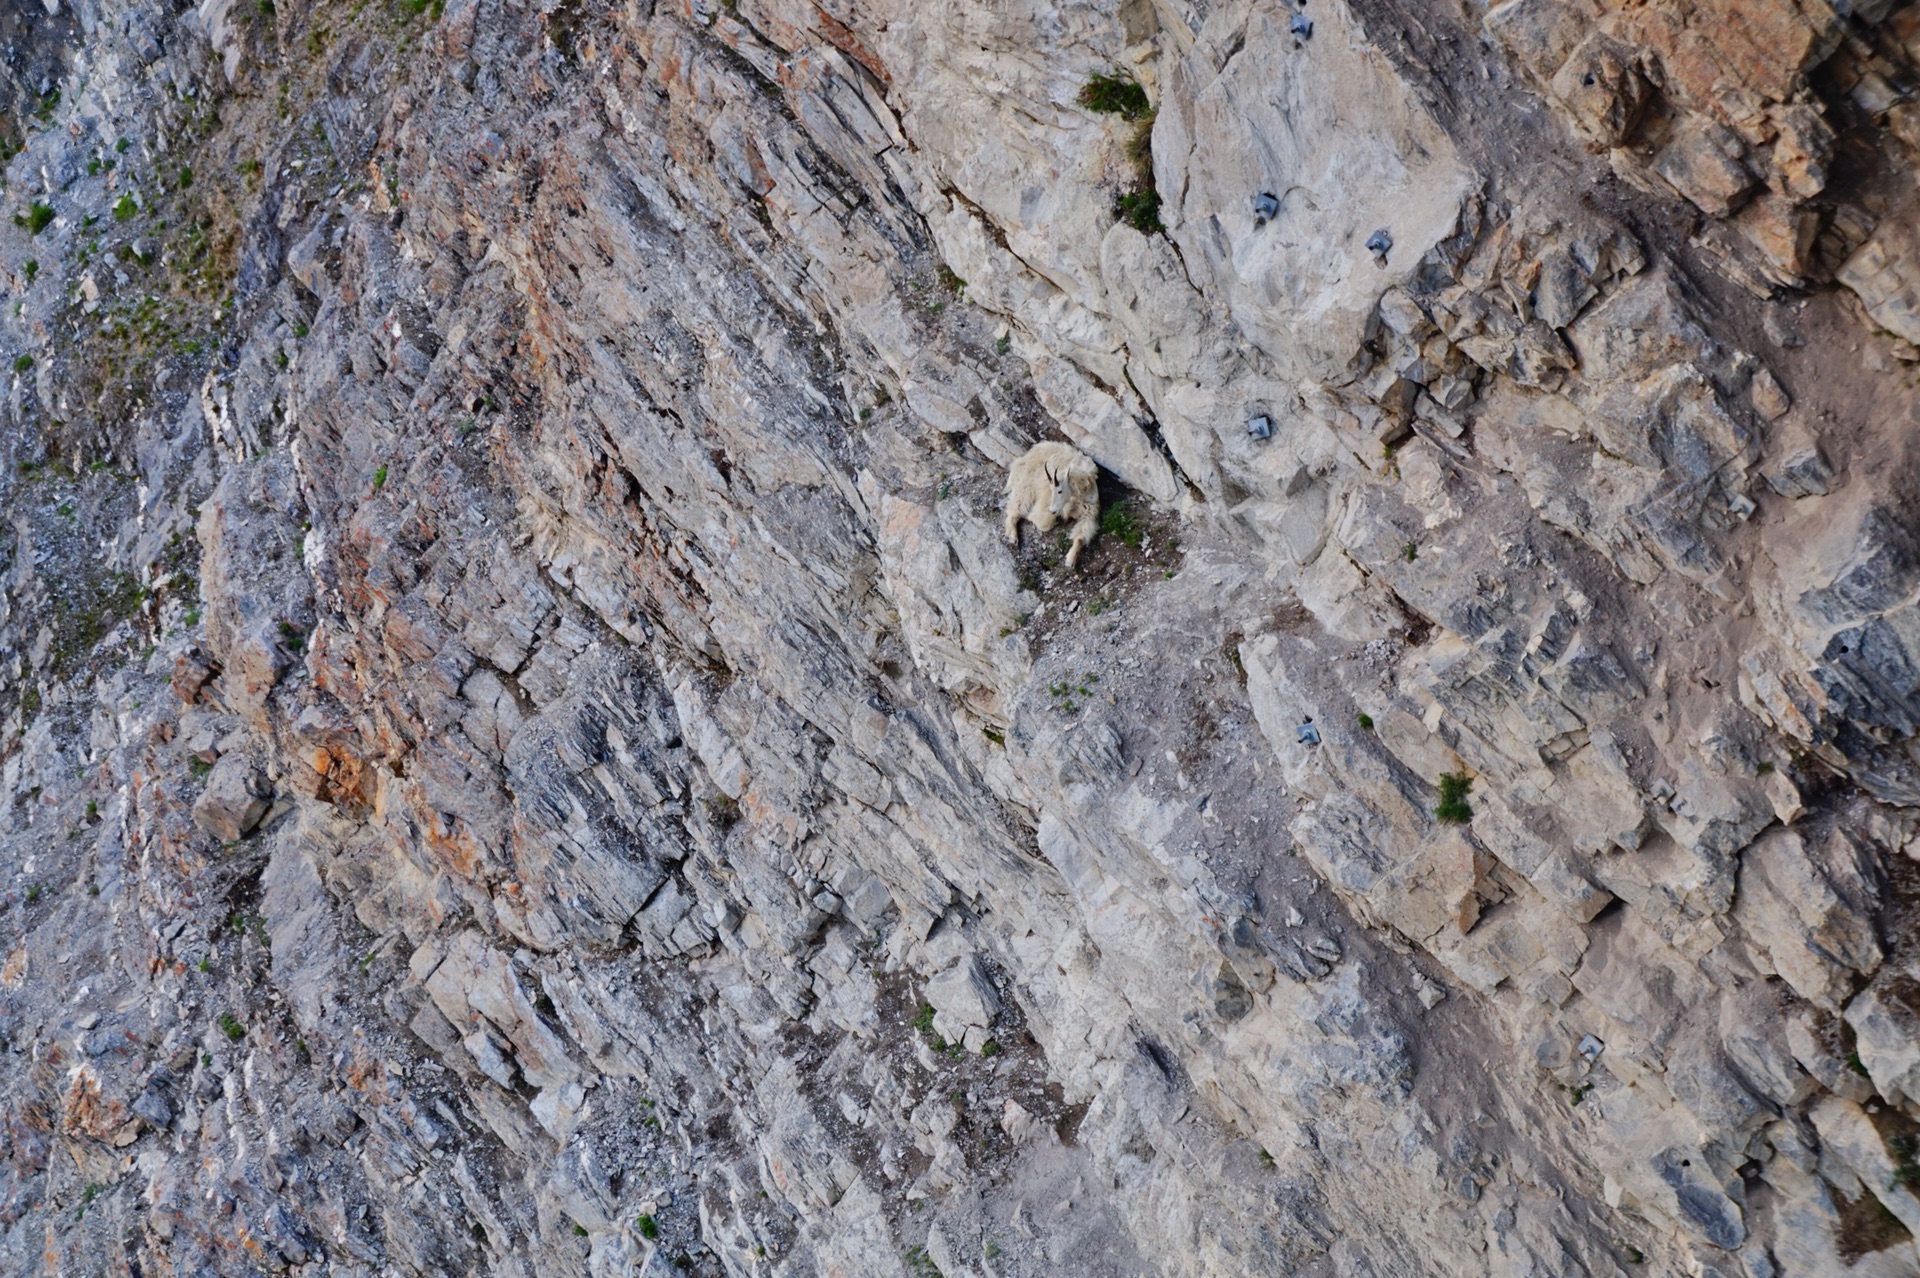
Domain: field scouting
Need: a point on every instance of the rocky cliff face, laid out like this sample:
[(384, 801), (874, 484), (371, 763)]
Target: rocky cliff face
[(527, 754)]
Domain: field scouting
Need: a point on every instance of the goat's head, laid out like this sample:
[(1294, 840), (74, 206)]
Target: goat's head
[(1071, 480)]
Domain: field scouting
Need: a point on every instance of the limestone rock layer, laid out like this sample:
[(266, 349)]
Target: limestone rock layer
[(528, 753)]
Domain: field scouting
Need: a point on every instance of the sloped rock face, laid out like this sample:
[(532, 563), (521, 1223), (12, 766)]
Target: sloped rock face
[(529, 754)]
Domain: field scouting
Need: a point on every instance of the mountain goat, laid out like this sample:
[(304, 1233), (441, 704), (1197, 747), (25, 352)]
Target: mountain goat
[(1054, 482)]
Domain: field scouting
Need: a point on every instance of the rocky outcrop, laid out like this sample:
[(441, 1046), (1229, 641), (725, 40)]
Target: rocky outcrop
[(529, 754)]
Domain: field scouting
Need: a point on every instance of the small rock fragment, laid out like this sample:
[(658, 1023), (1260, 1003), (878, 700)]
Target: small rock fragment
[(1769, 400)]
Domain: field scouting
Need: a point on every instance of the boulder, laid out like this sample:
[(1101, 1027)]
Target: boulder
[(235, 799)]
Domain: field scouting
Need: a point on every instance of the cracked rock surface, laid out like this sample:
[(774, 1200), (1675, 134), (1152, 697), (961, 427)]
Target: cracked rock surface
[(526, 751)]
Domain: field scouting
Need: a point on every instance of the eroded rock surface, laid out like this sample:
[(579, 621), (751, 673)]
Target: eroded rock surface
[(527, 753)]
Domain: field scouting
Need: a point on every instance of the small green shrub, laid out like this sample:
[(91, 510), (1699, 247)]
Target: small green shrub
[(1454, 808), (36, 219), (1140, 210), (1115, 95), (186, 177), (23, 363), (379, 479), (33, 893), (30, 268), (1366, 721), (232, 1028), (990, 1048), (125, 209), (649, 1227)]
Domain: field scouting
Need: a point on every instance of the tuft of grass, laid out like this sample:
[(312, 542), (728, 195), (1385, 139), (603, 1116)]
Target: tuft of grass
[(33, 893), (1117, 522), (920, 1264), (30, 268), (379, 479), (23, 363), (125, 209), (649, 1227), (1366, 721), (722, 811), (232, 1028), (1454, 808), (1115, 95)]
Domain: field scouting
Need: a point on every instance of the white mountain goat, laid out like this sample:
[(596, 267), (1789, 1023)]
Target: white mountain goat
[(1051, 483)]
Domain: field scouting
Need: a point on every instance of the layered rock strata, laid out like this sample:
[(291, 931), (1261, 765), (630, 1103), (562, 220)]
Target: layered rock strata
[(528, 752)]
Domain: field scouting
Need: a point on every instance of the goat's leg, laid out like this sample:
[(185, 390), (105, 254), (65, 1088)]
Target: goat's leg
[(1085, 529), (1013, 524)]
